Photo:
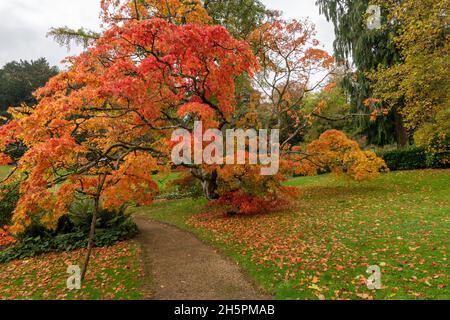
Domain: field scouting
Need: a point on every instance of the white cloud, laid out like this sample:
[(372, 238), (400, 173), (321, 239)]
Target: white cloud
[(298, 9), (25, 23)]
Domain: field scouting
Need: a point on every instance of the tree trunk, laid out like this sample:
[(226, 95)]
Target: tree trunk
[(208, 182), (101, 183), (401, 134), (91, 239), (210, 186)]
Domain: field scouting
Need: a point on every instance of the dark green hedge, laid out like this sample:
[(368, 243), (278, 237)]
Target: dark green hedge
[(412, 158)]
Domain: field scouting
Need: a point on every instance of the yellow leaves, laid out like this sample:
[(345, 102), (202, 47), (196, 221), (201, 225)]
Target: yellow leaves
[(177, 11), (20, 112), (342, 156)]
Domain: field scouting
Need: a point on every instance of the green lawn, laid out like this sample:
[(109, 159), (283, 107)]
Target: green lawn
[(321, 249), (4, 171)]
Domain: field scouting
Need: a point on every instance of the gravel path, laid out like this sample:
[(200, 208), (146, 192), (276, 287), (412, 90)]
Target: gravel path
[(181, 267)]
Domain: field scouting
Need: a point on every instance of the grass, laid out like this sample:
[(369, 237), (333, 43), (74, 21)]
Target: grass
[(4, 171), (321, 248), (114, 273)]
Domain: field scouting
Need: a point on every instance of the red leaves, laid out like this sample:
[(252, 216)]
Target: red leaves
[(116, 273), (108, 114), (5, 160), (240, 202), (204, 112)]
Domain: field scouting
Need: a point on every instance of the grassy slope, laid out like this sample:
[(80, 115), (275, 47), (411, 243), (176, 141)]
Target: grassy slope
[(4, 171), (322, 248), (115, 273)]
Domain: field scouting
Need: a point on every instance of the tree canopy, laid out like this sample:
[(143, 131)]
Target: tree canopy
[(363, 50), (19, 79)]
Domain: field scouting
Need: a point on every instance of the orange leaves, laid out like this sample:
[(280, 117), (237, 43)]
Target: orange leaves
[(178, 11), (334, 151), (112, 112), (373, 104), (6, 238), (44, 164), (175, 11), (239, 202), (131, 183), (5, 160), (7, 136), (203, 111), (243, 190), (330, 87)]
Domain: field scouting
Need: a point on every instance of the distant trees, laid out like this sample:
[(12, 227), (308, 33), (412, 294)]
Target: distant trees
[(363, 50), (240, 17), (19, 79), (420, 82)]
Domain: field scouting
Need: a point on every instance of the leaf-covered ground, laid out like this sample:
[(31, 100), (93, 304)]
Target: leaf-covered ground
[(115, 273), (323, 247)]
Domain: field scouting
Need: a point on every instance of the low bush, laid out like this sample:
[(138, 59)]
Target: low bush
[(186, 186), (9, 196), (72, 233), (405, 159), (438, 152), (30, 247)]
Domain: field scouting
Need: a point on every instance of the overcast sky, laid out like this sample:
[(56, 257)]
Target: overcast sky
[(24, 24)]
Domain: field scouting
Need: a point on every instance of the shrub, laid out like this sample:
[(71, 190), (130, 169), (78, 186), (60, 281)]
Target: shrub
[(50, 242), (9, 196), (405, 159), (242, 203), (186, 186), (72, 232), (336, 153), (438, 152)]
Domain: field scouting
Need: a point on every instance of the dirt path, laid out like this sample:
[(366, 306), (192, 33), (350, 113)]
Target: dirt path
[(181, 267)]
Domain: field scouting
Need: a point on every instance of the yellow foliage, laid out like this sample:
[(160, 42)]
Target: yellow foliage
[(335, 152)]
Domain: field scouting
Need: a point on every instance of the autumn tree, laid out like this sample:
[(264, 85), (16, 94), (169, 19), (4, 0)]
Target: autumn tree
[(104, 127), (335, 152), (420, 82), (290, 58)]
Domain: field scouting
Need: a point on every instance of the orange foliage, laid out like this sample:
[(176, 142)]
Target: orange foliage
[(6, 238), (336, 152), (174, 11), (112, 113), (243, 190)]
